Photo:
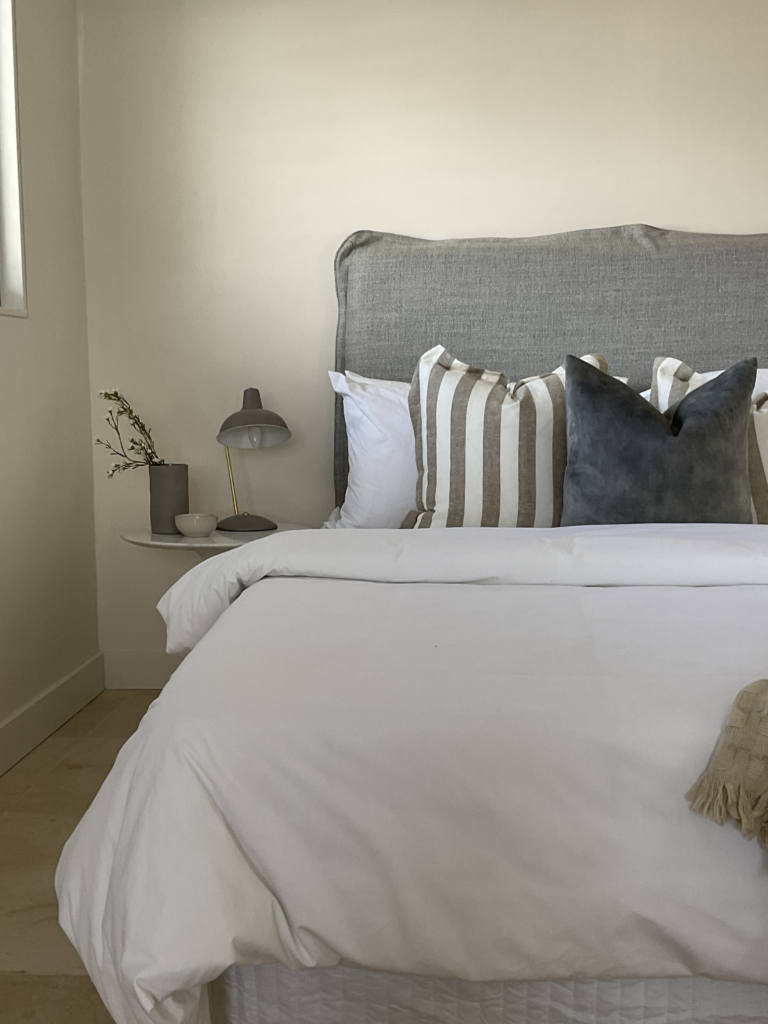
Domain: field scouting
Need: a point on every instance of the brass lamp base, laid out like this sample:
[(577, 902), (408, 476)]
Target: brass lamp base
[(244, 522)]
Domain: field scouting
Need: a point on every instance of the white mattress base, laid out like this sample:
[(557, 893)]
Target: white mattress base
[(272, 994)]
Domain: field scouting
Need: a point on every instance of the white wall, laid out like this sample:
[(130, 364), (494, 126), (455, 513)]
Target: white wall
[(49, 661), (230, 145)]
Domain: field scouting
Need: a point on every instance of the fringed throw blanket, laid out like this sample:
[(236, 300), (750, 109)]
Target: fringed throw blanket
[(735, 782)]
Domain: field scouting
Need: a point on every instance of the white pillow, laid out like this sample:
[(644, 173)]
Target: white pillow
[(761, 383), (382, 453)]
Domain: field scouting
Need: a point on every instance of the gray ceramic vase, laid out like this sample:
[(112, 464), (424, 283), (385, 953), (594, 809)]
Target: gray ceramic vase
[(168, 495)]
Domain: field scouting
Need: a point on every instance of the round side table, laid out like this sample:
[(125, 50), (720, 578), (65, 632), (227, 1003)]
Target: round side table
[(203, 547)]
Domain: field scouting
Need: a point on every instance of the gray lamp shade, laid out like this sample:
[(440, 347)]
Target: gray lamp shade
[(253, 426)]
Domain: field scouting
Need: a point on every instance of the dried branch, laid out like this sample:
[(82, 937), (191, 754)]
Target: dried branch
[(141, 450)]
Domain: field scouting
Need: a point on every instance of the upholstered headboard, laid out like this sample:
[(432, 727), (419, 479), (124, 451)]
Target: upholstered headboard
[(522, 304)]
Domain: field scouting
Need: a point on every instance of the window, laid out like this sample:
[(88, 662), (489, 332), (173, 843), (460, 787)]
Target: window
[(11, 244)]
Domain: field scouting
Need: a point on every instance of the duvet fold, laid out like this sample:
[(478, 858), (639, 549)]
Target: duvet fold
[(689, 555)]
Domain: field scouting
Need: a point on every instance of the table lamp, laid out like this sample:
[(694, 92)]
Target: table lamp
[(253, 426)]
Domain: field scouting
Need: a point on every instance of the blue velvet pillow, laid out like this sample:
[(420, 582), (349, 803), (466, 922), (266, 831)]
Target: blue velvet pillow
[(629, 463)]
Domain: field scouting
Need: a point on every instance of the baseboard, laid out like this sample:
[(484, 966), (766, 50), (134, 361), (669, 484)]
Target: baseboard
[(139, 670), (30, 725)]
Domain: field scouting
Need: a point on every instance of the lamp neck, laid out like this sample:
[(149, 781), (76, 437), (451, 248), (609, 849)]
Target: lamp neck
[(252, 399), (229, 469)]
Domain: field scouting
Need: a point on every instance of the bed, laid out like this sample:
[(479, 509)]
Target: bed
[(438, 776)]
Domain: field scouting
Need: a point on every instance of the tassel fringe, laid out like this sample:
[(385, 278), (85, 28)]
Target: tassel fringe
[(722, 801), (734, 785)]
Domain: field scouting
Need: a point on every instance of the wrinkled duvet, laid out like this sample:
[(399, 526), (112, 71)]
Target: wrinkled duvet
[(458, 753)]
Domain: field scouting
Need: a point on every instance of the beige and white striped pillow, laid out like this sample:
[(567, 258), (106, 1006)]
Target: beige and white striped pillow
[(488, 452), (673, 380)]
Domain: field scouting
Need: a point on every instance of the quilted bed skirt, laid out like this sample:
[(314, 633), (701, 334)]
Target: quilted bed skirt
[(272, 994)]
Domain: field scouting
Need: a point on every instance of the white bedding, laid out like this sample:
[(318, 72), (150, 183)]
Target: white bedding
[(480, 781)]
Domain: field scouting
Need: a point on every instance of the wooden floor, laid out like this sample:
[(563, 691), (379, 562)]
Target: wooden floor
[(42, 798)]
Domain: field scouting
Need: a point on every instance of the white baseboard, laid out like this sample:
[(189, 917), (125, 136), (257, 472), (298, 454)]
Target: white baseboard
[(139, 670), (33, 723)]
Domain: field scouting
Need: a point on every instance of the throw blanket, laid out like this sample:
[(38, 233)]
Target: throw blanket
[(735, 783), (456, 753)]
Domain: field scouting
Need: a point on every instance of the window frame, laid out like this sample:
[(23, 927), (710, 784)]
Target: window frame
[(13, 292)]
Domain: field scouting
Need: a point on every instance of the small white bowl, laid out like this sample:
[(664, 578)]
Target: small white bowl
[(196, 524)]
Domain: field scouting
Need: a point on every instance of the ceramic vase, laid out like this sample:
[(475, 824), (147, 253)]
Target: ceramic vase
[(168, 496)]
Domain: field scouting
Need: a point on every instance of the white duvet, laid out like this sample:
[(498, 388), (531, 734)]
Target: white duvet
[(456, 753)]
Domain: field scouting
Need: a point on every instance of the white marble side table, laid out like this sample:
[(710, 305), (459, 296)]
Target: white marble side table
[(203, 547)]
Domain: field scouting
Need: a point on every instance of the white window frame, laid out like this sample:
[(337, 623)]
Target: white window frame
[(12, 284)]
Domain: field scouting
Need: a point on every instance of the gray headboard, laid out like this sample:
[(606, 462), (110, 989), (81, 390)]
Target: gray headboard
[(522, 304)]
